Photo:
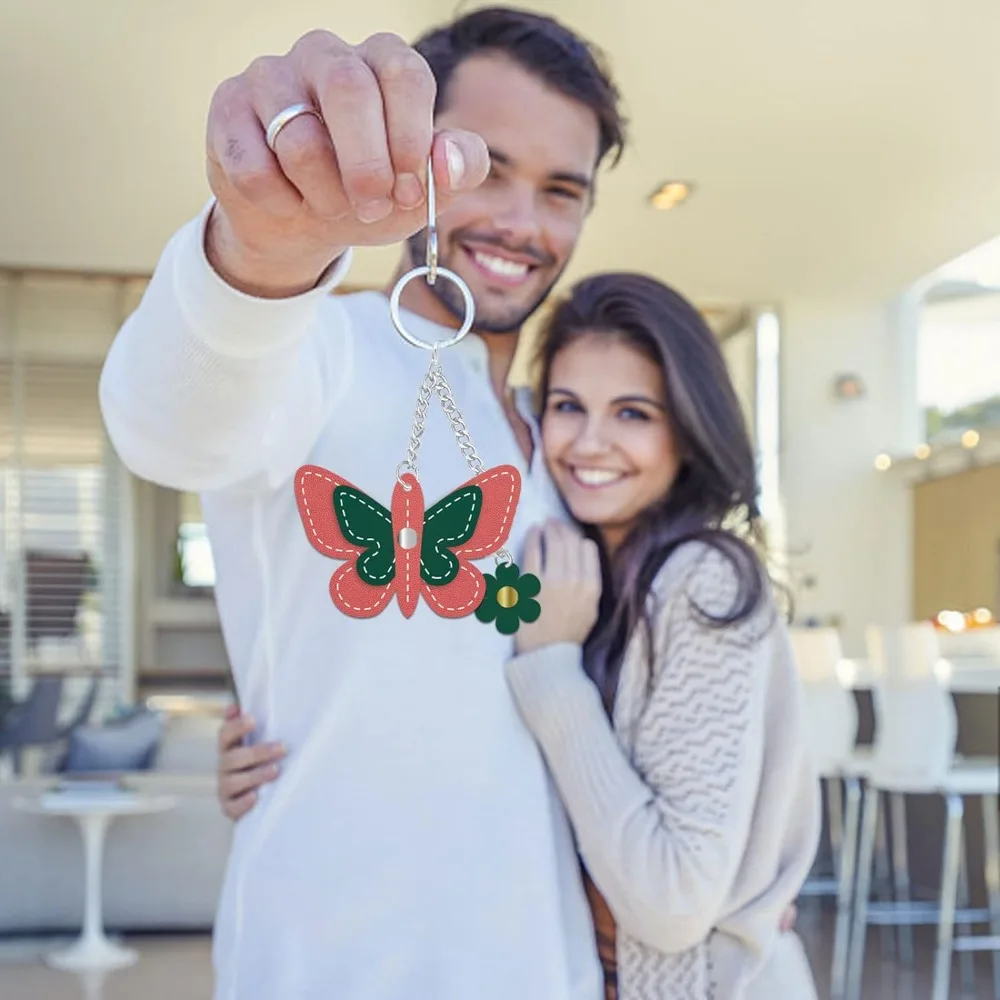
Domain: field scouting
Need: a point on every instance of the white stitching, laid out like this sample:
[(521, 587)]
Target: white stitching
[(491, 546), (353, 549), (385, 595), (369, 555), (381, 599), (463, 492), (408, 573), (431, 598), (305, 502)]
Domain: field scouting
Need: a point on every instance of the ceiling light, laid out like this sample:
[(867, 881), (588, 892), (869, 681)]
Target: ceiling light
[(883, 462), (670, 195), (923, 452), (970, 439)]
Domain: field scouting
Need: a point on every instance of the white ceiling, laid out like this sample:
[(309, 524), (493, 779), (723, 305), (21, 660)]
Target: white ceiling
[(839, 150)]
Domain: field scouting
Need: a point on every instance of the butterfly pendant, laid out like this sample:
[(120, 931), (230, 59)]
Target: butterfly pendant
[(407, 551)]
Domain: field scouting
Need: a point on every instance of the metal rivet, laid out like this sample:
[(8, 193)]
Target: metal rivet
[(407, 538), (506, 597)]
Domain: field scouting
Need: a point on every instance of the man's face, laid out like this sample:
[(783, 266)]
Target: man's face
[(511, 238)]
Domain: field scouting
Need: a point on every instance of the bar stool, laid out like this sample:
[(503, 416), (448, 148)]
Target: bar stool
[(841, 765), (915, 739)]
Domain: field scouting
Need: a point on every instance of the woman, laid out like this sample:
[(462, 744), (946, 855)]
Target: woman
[(658, 680)]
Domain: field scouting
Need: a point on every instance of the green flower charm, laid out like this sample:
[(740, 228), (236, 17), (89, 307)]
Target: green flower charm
[(510, 599)]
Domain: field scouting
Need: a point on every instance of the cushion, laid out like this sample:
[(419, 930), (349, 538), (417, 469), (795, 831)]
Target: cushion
[(190, 744), (128, 744)]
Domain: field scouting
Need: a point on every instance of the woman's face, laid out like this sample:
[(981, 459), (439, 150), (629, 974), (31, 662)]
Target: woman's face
[(607, 440)]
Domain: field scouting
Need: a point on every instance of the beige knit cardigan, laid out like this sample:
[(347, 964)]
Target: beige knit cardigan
[(697, 811)]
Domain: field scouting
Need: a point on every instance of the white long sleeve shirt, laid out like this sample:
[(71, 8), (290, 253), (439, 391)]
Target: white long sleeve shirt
[(414, 847)]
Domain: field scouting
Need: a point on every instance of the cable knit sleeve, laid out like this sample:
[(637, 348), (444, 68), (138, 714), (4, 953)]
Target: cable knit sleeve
[(663, 832), (205, 387)]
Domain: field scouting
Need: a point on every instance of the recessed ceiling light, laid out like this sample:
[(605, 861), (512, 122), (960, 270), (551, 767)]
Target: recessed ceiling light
[(671, 194)]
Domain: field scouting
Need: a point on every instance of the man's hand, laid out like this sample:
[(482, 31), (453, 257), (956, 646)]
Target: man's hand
[(788, 919), (243, 769), (358, 178)]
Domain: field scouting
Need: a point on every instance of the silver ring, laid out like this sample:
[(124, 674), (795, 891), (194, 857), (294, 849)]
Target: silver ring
[(282, 118), (404, 465), (397, 319)]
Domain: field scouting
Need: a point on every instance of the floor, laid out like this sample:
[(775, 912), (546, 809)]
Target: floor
[(179, 968)]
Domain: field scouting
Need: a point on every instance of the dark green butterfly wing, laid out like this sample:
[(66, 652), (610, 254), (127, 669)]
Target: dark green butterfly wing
[(450, 522), (366, 523)]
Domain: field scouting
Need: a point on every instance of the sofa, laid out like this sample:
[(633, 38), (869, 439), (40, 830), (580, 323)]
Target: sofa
[(162, 872)]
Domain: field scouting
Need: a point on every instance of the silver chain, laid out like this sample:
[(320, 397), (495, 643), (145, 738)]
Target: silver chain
[(435, 383), (427, 389), (454, 415)]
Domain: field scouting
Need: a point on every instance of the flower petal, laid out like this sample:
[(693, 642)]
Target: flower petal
[(507, 575), (529, 609), (507, 621), (528, 586), (487, 609)]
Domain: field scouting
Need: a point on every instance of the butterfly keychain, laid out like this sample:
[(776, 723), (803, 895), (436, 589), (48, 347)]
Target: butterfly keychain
[(408, 550)]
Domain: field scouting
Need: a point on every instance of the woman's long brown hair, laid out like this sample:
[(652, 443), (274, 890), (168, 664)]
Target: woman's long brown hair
[(714, 497)]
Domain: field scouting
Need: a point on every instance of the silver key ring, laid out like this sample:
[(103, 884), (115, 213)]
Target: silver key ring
[(433, 272)]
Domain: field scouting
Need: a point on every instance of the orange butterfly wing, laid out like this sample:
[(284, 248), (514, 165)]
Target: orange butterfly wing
[(501, 488), (314, 488)]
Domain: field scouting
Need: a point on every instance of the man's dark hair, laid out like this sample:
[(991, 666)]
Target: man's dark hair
[(542, 46)]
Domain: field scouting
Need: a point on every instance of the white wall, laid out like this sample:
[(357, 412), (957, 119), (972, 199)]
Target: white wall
[(849, 526), (740, 353)]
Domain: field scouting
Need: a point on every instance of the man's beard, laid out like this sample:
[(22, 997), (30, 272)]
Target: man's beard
[(448, 294)]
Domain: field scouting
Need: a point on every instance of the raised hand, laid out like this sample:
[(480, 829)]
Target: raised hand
[(353, 173), (569, 568)]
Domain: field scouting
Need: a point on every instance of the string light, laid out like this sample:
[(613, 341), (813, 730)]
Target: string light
[(953, 621)]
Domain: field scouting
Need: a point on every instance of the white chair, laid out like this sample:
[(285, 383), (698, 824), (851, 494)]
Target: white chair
[(915, 739), (833, 728)]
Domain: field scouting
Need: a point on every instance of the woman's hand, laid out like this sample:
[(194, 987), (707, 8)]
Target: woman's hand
[(243, 769), (569, 568)]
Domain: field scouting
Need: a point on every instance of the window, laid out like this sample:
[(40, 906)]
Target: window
[(54, 515), (958, 366), (61, 485), (195, 566)]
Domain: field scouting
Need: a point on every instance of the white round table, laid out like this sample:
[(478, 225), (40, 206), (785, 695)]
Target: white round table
[(93, 812)]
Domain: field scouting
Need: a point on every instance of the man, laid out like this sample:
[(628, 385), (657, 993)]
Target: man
[(414, 846)]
